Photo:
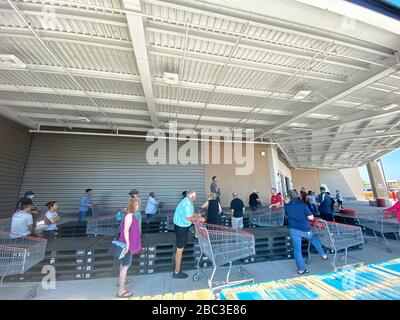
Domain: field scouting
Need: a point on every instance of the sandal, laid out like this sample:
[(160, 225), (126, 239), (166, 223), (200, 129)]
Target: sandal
[(129, 281), (126, 294)]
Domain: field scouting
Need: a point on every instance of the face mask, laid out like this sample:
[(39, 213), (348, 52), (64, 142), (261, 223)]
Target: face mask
[(30, 197)]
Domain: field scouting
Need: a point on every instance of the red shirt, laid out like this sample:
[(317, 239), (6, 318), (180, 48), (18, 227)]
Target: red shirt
[(276, 199)]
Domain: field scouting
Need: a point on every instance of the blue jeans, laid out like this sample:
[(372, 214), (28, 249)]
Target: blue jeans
[(297, 236), (314, 209), (82, 214)]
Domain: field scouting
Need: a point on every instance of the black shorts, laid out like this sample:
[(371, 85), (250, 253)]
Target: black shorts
[(181, 236), (127, 260)]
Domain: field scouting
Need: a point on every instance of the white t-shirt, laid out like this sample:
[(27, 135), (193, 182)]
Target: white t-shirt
[(152, 206), (20, 222), (49, 215)]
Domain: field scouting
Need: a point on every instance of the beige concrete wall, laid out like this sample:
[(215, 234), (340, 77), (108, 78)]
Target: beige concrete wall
[(229, 182), (348, 181), (305, 178), (353, 180)]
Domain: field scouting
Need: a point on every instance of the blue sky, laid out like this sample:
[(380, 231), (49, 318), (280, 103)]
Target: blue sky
[(391, 166)]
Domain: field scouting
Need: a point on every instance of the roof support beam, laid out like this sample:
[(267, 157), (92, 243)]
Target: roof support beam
[(330, 101), (261, 45), (136, 29), (245, 64), (67, 37), (336, 151), (76, 93)]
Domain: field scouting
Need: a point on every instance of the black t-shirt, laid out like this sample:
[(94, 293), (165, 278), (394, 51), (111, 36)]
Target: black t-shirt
[(237, 205), (253, 199)]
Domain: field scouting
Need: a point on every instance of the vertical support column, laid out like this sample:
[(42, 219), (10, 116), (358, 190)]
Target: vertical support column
[(272, 155), (377, 181)]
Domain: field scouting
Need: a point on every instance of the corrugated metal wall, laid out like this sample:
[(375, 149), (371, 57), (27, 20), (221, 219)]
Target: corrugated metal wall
[(14, 141), (61, 167)]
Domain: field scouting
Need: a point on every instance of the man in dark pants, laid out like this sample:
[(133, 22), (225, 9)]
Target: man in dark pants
[(184, 216), (324, 203)]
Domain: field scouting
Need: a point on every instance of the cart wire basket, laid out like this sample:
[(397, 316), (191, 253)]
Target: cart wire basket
[(222, 246), (380, 223), (17, 255), (268, 217), (103, 226), (336, 237)]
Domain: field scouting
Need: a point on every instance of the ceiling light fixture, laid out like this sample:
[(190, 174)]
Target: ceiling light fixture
[(301, 94), (10, 60)]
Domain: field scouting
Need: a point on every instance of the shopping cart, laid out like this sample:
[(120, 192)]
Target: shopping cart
[(103, 226), (268, 217), (382, 223), (17, 255), (336, 237), (222, 246), (102, 211)]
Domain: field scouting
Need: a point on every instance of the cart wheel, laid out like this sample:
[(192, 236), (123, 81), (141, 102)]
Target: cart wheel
[(307, 260), (195, 277)]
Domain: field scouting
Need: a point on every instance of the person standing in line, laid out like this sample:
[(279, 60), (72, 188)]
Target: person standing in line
[(303, 194), (130, 235), (86, 205), (213, 208), (311, 202), (299, 217), (214, 188), (237, 210), (339, 199), (254, 201), (184, 216), (324, 203), (22, 221), (276, 199), (52, 217), (152, 206)]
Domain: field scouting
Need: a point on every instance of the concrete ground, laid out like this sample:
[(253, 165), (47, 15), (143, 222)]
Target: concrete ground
[(162, 283)]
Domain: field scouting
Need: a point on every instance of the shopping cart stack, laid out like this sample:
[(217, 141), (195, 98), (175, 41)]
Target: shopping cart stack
[(102, 226), (223, 246), (382, 225), (18, 254), (336, 237), (268, 217)]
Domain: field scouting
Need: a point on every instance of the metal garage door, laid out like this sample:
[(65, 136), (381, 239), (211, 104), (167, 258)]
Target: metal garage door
[(61, 167), (14, 140)]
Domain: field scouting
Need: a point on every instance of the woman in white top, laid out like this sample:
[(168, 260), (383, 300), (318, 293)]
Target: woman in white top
[(51, 218)]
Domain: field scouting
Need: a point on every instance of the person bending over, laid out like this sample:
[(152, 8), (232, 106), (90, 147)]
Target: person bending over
[(183, 218), (299, 217)]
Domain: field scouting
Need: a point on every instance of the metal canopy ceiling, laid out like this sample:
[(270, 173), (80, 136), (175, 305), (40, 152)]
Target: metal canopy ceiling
[(99, 64)]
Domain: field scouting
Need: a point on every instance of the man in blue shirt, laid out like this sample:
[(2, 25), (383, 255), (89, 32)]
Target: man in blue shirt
[(324, 203), (299, 217), (85, 205), (183, 218), (214, 188)]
